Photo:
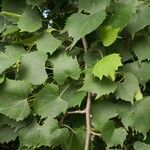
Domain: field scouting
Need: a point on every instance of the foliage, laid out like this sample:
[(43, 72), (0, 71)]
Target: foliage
[(72, 71)]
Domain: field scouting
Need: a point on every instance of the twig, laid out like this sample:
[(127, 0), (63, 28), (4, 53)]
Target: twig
[(77, 112), (88, 122), (95, 134), (85, 45)]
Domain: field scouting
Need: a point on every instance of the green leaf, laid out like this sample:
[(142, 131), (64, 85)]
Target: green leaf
[(122, 14), (128, 88), (105, 67), (140, 20), (88, 22), (48, 134), (2, 24), (10, 29), (73, 97), (65, 66), (13, 100), (142, 49), (138, 116), (101, 112), (92, 6), (77, 140), (99, 87), (11, 56), (108, 34), (35, 3), (7, 134), (13, 6), (30, 21), (140, 146), (49, 103), (112, 136), (141, 71), (33, 67), (91, 57), (138, 95), (47, 43)]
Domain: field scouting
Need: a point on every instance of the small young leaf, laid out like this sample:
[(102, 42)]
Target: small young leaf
[(107, 66), (108, 34)]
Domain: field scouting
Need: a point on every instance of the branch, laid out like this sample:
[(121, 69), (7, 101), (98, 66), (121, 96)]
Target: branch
[(88, 122)]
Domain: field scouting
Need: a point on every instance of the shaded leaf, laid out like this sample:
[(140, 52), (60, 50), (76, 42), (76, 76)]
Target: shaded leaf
[(47, 43), (7, 134), (11, 56), (140, 20), (33, 67), (112, 136), (101, 112), (48, 134), (30, 21), (140, 146), (65, 66), (13, 100), (99, 87), (49, 103), (88, 22), (128, 88)]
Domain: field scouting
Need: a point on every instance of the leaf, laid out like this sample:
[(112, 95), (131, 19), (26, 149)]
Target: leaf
[(33, 67), (138, 95), (30, 21), (128, 88), (122, 14), (35, 3), (88, 22), (91, 57), (112, 136), (92, 6), (99, 87), (141, 49), (77, 140), (10, 6), (49, 103), (2, 24), (73, 97), (105, 67), (140, 146), (11, 56), (47, 43), (140, 20), (48, 134), (7, 134), (108, 34), (138, 116), (65, 66), (101, 112), (141, 71), (10, 29), (13, 100)]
